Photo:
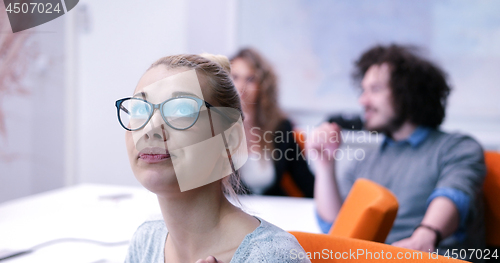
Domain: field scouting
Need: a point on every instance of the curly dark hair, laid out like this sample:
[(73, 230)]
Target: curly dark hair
[(419, 87)]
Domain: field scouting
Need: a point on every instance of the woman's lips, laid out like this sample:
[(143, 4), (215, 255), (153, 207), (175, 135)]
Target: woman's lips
[(153, 158)]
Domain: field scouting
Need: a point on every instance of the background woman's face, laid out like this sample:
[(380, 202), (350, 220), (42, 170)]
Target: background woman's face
[(245, 81)]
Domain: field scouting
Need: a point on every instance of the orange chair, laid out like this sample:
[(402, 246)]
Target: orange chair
[(492, 198), (287, 183), (300, 137), (290, 187), (327, 248), (367, 213)]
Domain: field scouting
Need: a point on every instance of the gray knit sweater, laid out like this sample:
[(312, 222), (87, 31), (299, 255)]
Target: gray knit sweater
[(267, 243)]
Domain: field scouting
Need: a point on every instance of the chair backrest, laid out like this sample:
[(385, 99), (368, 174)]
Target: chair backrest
[(367, 213), (287, 183), (324, 248), (492, 198), (300, 137)]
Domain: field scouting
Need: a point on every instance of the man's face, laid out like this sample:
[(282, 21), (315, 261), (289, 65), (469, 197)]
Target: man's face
[(376, 99)]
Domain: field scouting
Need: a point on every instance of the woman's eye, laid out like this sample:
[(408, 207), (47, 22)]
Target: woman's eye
[(180, 108), (183, 110), (139, 111)]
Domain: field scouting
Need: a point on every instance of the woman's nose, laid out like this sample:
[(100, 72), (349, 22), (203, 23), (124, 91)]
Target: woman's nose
[(156, 128)]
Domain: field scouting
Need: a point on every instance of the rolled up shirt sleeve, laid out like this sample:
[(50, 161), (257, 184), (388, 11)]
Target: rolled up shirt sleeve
[(323, 225), (462, 169), (459, 198)]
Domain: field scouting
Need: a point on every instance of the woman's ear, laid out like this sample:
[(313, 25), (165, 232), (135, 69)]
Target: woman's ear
[(237, 144), (234, 136)]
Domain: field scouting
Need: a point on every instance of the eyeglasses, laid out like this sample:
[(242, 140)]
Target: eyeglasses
[(179, 113)]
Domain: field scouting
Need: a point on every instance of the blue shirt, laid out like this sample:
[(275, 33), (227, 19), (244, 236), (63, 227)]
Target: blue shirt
[(415, 139)]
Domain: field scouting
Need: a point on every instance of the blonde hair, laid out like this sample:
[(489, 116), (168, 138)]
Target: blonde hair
[(216, 71), (223, 61)]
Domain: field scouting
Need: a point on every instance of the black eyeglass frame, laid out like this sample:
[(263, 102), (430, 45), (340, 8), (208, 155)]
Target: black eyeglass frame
[(159, 106)]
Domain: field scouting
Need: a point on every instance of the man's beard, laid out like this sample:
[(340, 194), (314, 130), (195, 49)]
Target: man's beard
[(393, 125)]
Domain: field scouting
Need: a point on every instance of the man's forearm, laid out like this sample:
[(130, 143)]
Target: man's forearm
[(442, 215), (326, 194)]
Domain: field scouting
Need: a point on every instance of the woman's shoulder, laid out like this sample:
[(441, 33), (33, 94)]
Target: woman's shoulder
[(268, 243), (147, 242), (284, 125), (151, 228), (283, 134)]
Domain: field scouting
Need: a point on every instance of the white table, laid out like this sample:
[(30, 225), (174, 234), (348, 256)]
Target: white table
[(111, 214)]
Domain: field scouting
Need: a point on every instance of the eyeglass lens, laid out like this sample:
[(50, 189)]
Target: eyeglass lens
[(180, 113)]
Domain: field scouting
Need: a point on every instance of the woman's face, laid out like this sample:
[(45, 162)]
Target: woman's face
[(162, 158), (245, 81)]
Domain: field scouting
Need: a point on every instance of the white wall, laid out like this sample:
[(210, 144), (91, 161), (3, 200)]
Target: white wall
[(32, 147)]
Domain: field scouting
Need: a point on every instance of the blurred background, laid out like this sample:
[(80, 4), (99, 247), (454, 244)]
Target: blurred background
[(59, 80)]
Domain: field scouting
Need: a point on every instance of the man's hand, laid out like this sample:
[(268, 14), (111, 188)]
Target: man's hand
[(422, 239), (209, 259), (325, 139)]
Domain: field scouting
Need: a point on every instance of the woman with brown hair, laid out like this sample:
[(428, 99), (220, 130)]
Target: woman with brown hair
[(275, 165), (183, 124)]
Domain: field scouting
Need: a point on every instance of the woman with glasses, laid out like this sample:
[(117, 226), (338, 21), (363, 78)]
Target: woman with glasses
[(274, 166), (184, 139)]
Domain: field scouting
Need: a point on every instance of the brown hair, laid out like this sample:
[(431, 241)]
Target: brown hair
[(268, 115), (215, 70)]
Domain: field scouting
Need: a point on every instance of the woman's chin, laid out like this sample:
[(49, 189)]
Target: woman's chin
[(158, 180)]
